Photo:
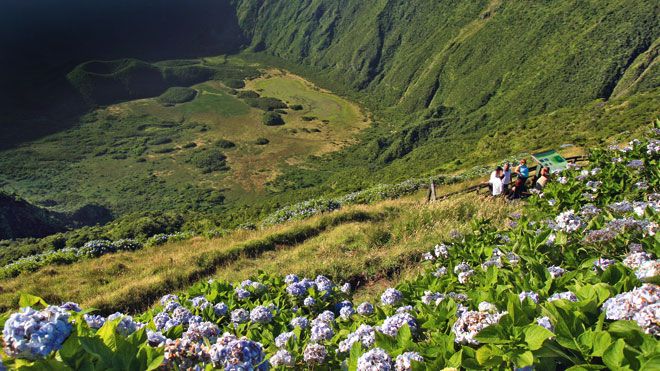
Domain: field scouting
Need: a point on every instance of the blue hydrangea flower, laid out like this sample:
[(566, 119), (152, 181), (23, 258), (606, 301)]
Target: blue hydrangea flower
[(220, 309), (343, 304), (200, 302), (346, 288), (242, 293), (301, 322), (391, 297), (365, 334), (94, 321), (168, 298), (291, 278), (327, 317), (282, 358), (32, 334), (346, 312), (240, 315), (404, 362), (282, 339), (155, 339), (315, 354), (322, 331), (375, 359), (233, 354), (324, 284), (202, 330), (529, 295), (181, 315), (126, 325), (568, 295), (309, 301), (261, 314), (71, 306), (392, 324), (365, 309)]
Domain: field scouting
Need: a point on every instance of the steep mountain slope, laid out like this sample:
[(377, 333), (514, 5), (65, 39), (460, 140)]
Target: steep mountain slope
[(499, 59), (19, 218), (40, 42)]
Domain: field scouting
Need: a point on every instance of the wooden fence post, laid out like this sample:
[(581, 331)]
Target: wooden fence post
[(431, 195)]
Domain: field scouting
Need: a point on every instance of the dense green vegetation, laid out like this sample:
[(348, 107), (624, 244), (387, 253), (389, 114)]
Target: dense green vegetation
[(177, 94), (272, 119), (569, 282), (106, 82), (461, 85)]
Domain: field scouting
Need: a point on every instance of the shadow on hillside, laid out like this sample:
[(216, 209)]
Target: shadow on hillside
[(42, 41)]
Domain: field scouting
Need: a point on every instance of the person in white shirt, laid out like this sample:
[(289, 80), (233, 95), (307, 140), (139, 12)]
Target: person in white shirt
[(495, 182), (506, 178)]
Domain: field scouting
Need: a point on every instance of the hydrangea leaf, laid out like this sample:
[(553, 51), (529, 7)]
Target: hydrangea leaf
[(535, 336), (27, 300)]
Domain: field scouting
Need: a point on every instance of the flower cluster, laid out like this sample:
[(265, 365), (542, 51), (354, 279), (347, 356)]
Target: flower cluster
[(33, 334)]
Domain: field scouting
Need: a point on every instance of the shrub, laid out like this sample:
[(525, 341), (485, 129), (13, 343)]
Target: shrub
[(159, 140), (165, 150), (209, 160), (309, 118), (187, 75), (190, 145), (177, 95), (262, 141), (234, 83), (224, 143), (296, 107), (244, 94), (266, 104), (272, 119)]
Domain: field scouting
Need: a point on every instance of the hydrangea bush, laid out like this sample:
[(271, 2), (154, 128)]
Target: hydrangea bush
[(571, 283)]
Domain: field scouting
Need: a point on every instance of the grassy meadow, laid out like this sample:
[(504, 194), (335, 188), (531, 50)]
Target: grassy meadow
[(367, 245), (141, 154)]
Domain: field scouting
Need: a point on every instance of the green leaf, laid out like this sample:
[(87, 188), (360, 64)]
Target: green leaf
[(493, 334), (27, 300), (601, 342), (456, 359), (43, 365), (108, 334), (613, 356), (535, 335), (489, 355), (524, 359)]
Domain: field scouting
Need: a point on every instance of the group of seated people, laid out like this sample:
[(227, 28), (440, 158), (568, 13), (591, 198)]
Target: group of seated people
[(500, 180)]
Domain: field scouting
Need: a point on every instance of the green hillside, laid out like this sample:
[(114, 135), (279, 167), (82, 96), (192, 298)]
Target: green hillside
[(486, 58)]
